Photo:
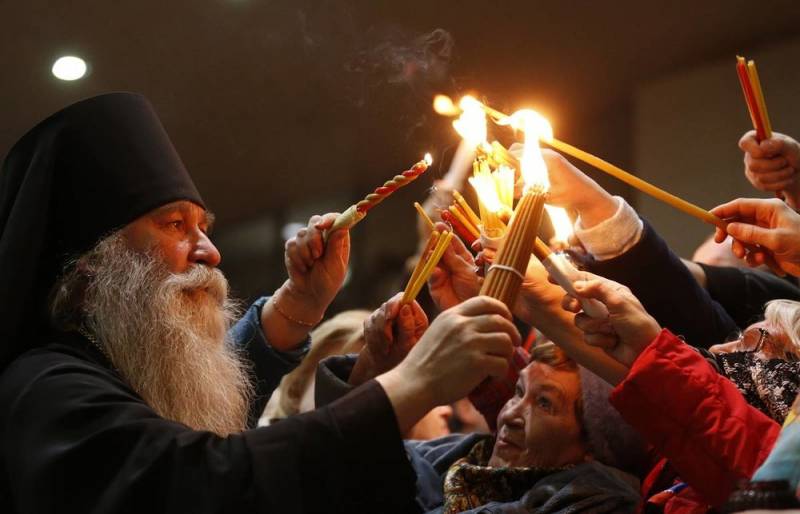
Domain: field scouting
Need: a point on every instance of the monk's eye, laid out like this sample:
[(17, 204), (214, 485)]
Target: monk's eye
[(544, 402), (174, 224)]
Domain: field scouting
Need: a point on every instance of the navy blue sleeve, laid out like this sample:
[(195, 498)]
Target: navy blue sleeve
[(269, 364), (743, 292), (668, 291)]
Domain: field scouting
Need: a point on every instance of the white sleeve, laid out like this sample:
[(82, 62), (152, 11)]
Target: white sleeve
[(614, 236)]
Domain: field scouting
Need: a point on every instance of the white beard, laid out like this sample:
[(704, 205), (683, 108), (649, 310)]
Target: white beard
[(167, 335)]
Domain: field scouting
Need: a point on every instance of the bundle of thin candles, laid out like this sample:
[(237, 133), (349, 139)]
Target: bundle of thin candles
[(462, 218), (754, 97), (505, 275), (428, 259)]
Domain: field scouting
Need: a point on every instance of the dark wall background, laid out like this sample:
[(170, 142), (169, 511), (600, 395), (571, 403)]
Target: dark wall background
[(285, 108)]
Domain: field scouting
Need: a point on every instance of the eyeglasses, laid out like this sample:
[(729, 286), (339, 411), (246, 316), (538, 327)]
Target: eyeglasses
[(763, 335)]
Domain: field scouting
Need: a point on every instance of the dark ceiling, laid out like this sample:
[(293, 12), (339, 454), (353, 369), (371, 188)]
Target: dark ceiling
[(278, 103)]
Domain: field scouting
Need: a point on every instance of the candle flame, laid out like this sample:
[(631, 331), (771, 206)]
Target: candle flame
[(487, 191), (443, 105), (471, 125), (529, 120), (562, 225), (535, 126), (428, 159)]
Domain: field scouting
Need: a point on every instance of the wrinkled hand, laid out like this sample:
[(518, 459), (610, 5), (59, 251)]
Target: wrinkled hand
[(454, 278), (770, 224), (316, 268), (772, 164), (627, 330), (572, 189), (462, 347), (390, 332)]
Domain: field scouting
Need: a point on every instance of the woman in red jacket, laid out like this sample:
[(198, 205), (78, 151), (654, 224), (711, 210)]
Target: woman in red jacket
[(694, 417)]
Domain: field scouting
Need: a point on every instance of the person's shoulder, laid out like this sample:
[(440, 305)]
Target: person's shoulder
[(54, 367)]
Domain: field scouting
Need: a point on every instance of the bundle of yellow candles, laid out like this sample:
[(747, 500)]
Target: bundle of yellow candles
[(445, 106), (463, 219), (754, 97), (430, 257), (505, 275)]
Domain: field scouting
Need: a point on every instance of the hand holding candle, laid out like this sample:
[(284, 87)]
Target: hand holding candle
[(437, 244), (628, 328), (389, 333), (564, 273), (763, 230), (773, 164), (453, 280)]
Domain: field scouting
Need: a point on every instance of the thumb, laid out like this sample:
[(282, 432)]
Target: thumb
[(338, 243), (751, 234), (772, 146), (405, 320), (603, 290), (405, 325), (437, 277)]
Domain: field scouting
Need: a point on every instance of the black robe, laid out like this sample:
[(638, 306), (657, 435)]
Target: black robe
[(76, 438)]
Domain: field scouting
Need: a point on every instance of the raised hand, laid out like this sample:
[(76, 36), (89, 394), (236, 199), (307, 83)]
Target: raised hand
[(772, 164), (454, 279), (628, 328), (572, 189), (462, 347), (317, 268), (316, 273), (762, 230), (390, 333)]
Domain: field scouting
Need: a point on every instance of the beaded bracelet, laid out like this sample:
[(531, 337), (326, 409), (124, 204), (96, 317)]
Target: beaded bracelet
[(293, 320)]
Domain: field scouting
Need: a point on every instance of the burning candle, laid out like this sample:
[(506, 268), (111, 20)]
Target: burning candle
[(358, 211), (489, 201), (505, 275)]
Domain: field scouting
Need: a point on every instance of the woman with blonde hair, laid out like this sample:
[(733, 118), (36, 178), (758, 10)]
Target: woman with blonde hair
[(342, 334)]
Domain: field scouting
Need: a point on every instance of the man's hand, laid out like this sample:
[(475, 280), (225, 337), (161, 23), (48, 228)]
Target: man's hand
[(628, 328), (390, 333), (454, 279), (772, 164), (316, 268), (462, 347), (316, 273), (762, 230)]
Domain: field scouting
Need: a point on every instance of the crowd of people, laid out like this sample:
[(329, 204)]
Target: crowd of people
[(130, 381)]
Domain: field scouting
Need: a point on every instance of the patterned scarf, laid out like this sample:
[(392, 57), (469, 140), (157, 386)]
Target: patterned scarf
[(471, 483), (771, 386)]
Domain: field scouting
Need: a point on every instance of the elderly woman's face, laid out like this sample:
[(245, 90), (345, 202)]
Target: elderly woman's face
[(538, 426), (767, 341)]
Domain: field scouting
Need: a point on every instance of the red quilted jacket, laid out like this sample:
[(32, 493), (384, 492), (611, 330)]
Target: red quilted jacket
[(696, 419)]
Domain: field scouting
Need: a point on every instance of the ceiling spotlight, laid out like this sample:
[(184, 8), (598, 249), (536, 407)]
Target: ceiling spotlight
[(69, 68)]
